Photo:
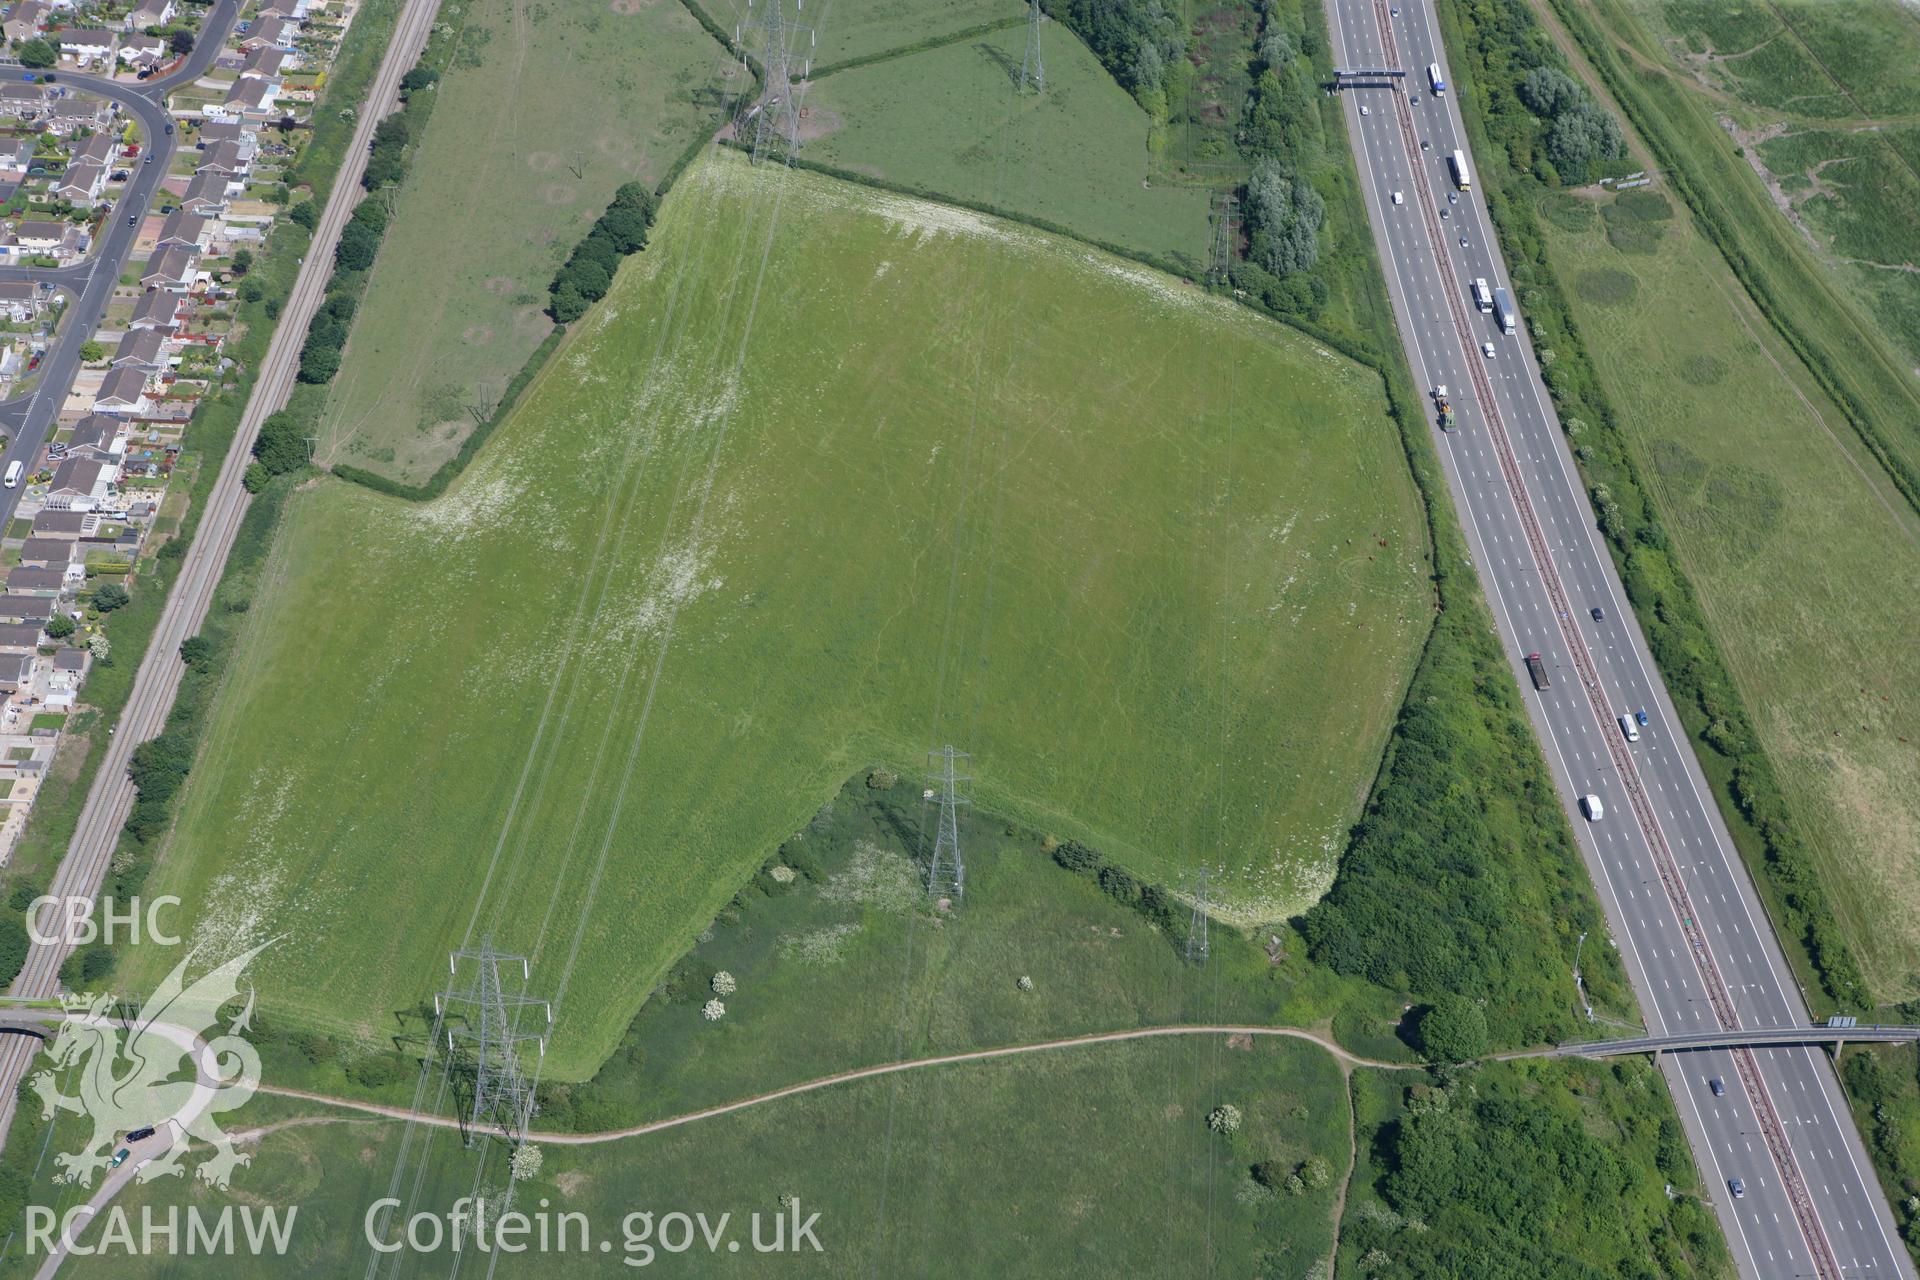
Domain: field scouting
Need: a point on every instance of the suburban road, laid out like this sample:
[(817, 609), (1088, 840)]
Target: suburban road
[(111, 797), (1691, 931), (28, 421)]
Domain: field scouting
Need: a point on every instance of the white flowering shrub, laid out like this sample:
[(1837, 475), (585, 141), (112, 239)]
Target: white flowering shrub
[(782, 874), (713, 1011), (1025, 983), (1224, 1118), (526, 1161), (723, 984)]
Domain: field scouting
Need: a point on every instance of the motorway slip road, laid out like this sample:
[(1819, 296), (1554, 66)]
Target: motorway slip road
[(1691, 930), (111, 797)]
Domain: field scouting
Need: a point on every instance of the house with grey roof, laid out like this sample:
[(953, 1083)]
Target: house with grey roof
[(82, 183), (81, 484), (25, 580), (20, 300), (37, 236), (185, 230), (16, 671), (25, 21), (30, 611), (157, 310), (171, 269), (142, 349), (47, 553), (123, 392), (206, 195), (16, 637), (96, 436), (150, 13), (57, 523)]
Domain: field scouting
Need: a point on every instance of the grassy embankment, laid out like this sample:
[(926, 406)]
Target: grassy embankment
[(1823, 97), (1090, 1161), (1876, 391)]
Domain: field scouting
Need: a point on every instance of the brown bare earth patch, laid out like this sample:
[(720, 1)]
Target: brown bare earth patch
[(499, 284), (1241, 1041), (476, 334), (818, 124)]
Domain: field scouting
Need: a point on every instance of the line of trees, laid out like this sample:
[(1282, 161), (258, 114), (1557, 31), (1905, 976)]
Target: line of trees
[(360, 239), (387, 159), (588, 271), (1280, 207)]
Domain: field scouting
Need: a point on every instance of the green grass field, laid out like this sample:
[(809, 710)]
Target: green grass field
[(1804, 557), (1155, 562), (517, 161), (847, 29), (852, 932), (949, 123), (1824, 95), (1116, 1173)]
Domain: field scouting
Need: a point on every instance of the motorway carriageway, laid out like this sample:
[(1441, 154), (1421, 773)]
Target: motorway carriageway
[(1695, 941)]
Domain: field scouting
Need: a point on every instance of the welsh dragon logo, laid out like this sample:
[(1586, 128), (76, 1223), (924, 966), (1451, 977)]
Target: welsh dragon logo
[(165, 1073)]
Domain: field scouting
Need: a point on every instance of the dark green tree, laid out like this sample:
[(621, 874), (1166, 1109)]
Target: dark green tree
[(281, 445), (1453, 1030)]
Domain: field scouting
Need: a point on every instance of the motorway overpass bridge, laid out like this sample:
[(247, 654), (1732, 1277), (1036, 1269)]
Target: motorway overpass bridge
[(1742, 1038)]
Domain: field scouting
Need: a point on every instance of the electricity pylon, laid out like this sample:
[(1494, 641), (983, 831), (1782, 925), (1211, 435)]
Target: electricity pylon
[(948, 872), (490, 1028), (776, 116), (1197, 923), (1031, 71)]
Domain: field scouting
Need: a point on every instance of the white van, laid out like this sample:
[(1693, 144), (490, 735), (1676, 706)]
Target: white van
[(1628, 727), (1591, 806), (14, 471)]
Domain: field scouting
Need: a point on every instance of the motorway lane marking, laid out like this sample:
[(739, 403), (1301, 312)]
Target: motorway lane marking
[(1535, 390)]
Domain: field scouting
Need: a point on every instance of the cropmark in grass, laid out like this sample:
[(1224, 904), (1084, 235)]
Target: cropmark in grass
[(948, 122), (517, 161), (1154, 561), (1804, 558)]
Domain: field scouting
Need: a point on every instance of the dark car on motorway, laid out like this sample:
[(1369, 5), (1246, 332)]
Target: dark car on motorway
[(1599, 614)]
